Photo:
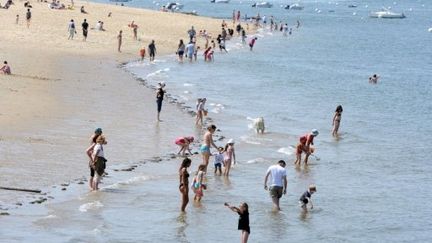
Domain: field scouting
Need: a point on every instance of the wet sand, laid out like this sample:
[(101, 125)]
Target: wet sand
[(62, 90)]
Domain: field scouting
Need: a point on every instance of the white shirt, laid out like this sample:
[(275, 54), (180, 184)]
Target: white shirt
[(98, 150), (277, 172)]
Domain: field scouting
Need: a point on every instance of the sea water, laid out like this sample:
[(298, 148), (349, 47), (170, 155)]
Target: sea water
[(373, 182)]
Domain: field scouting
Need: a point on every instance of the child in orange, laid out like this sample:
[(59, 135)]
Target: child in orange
[(142, 53)]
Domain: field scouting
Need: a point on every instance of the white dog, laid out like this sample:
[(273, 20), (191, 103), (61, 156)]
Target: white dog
[(258, 125)]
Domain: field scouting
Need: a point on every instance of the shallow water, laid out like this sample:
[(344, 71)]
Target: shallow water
[(372, 182)]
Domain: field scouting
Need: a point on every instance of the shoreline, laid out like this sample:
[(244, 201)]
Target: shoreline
[(55, 133)]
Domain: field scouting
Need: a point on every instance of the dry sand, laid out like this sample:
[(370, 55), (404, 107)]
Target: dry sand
[(61, 90)]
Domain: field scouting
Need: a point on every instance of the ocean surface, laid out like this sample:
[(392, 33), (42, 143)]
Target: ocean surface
[(373, 181)]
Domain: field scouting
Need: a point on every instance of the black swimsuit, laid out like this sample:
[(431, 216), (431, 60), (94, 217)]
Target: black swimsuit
[(244, 222)]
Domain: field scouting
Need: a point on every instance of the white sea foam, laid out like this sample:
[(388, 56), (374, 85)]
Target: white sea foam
[(256, 160), (127, 182), (90, 206), (286, 150), (249, 140), (188, 85), (51, 216)]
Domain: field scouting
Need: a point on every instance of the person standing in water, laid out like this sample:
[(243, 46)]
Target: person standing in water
[(99, 161), (200, 111), (229, 157), (152, 50), (184, 183), (207, 142), (184, 143), (89, 152), (180, 50), (119, 39), (243, 224), (252, 43), (198, 184), (278, 184), (159, 99), (336, 120)]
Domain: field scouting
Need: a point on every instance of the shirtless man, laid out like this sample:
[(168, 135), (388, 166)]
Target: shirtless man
[(208, 141)]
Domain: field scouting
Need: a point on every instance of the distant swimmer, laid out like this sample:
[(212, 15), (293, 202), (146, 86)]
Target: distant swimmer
[(306, 198), (336, 120), (252, 43), (373, 79)]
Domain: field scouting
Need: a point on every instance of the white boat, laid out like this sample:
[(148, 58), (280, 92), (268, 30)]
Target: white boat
[(221, 1), (352, 6), (262, 5), (174, 6), (295, 6), (386, 14)]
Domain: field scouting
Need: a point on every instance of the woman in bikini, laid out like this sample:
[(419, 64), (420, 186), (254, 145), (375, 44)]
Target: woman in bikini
[(336, 120), (184, 182)]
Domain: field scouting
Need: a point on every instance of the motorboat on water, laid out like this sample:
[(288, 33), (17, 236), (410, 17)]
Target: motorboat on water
[(294, 6), (262, 5), (174, 6), (386, 14), (220, 1), (352, 6)]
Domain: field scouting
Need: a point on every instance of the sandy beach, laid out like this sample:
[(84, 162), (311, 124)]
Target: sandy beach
[(61, 90)]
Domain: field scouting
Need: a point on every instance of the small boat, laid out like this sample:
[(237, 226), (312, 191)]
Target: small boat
[(120, 1), (295, 6), (174, 6), (386, 14), (219, 1), (352, 6), (262, 5)]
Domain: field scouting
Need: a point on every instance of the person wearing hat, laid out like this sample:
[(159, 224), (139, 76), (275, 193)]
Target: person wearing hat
[(278, 182), (184, 143), (309, 141), (229, 156)]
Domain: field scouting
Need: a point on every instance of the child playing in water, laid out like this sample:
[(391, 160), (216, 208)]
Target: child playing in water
[(305, 199), (218, 160), (198, 183), (229, 156), (243, 224)]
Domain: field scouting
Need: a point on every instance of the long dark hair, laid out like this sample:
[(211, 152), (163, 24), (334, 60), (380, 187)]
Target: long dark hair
[(185, 163), (181, 43), (339, 108)]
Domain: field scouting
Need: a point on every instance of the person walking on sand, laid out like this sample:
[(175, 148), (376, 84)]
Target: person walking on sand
[(152, 50), (89, 152), (243, 224), (198, 185), (5, 69), (229, 157), (119, 38), (252, 43), (159, 99), (336, 120), (309, 141), (191, 33), (17, 19), (184, 183), (71, 29), (99, 161), (142, 53), (278, 183), (85, 26), (184, 143), (200, 111), (207, 142), (28, 17)]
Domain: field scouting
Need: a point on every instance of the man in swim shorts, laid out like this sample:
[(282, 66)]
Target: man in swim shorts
[(278, 182), (207, 142)]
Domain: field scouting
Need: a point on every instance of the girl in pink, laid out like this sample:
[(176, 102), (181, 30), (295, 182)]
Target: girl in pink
[(229, 156), (184, 143)]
